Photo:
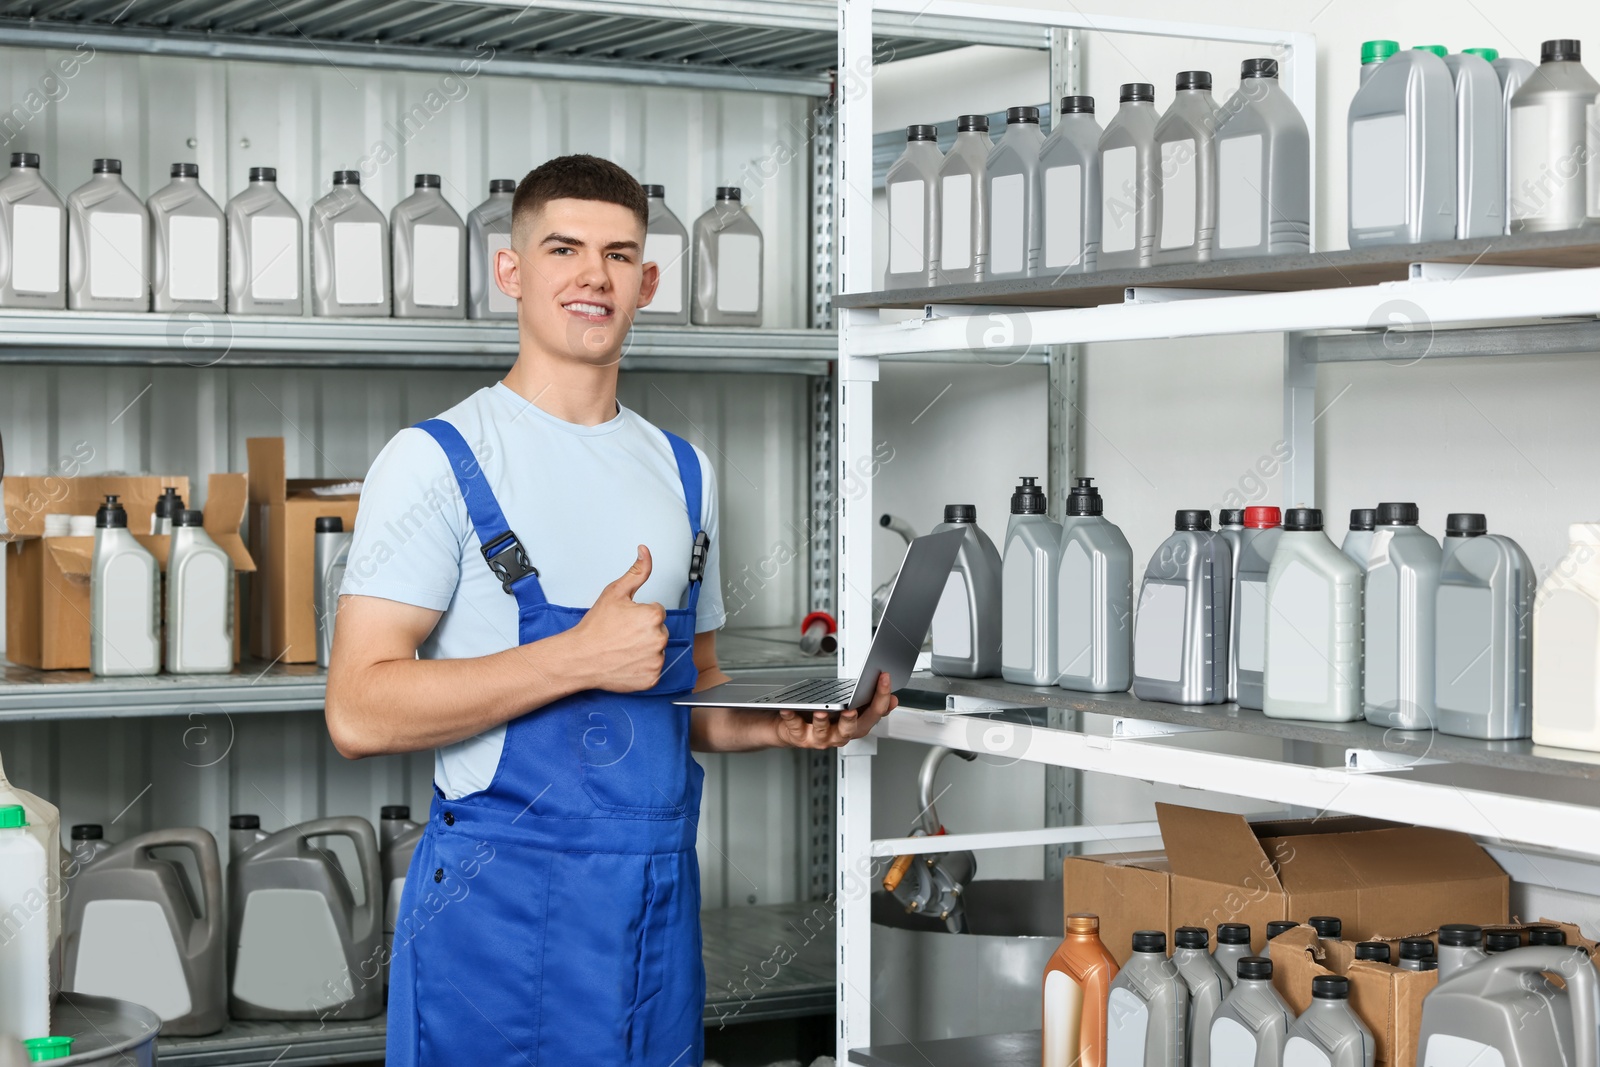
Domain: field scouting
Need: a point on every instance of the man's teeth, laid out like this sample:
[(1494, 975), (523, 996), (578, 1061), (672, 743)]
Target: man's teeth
[(588, 309)]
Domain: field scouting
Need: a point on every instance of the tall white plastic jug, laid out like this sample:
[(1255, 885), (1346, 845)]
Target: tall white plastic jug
[(124, 599), (33, 238), (1313, 626), (1029, 570), (1484, 658), (44, 823), (1566, 646), (25, 951), (1095, 598), (1402, 156), (1400, 610), (199, 600), (912, 187)]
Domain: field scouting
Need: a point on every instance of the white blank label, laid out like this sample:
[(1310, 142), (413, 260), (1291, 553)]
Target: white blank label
[(290, 954), (1016, 610), (1299, 637), (1447, 1050), (1063, 1019), (128, 950), (952, 619), (36, 249), (738, 272), (906, 202), (1252, 624), (1178, 193), (358, 263), (665, 250), (1565, 662), (1120, 195), (1127, 1028), (116, 256), (1530, 154), (1299, 1052), (1075, 621), (436, 266), (193, 251), (1231, 1044), (1239, 192), (955, 222), (1378, 172), (1465, 635), (1007, 241), (1063, 216), (1158, 631), (274, 258)]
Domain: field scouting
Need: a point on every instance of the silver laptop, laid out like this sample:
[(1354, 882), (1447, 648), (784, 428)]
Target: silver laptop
[(906, 618)]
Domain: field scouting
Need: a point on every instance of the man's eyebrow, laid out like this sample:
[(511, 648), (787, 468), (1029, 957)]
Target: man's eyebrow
[(574, 242)]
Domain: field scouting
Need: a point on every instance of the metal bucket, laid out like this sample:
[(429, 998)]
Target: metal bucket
[(928, 983), (114, 1033)]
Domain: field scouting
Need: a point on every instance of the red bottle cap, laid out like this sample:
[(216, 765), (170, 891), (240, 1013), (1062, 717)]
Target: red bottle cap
[(1262, 518)]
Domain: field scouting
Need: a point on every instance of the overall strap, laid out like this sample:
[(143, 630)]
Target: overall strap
[(689, 475), (501, 549)]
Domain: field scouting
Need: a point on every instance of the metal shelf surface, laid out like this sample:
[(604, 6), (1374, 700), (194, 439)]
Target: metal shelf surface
[(1021, 1049)]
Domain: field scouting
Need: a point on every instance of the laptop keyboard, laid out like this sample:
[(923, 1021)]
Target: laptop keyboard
[(811, 691)]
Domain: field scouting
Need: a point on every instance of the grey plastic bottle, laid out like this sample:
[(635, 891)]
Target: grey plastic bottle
[(168, 504), (199, 601), (330, 555), (1128, 173), (188, 246), (108, 244), (666, 244), (1186, 159), (1263, 169), (489, 230), (1147, 1010), (1012, 175), (1180, 631), (961, 249), (1207, 985), (912, 188), (266, 247), (397, 840), (966, 623), (349, 252), (1230, 527), (1357, 543), (1548, 143), (1029, 571), (1247, 605), (124, 599), (33, 238), (1415, 954), (1313, 626), (1069, 191), (430, 254), (1253, 1022), (1233, 945), (1513, 73), (1484, 644), (1480, 146), (1094, 598), (1402, 155), (728, 257), (1328, 927), (1497, 1012), (1328, 1033), (1374, 53), (1402, 591), (299, 947), (1460, 948), (133, 932)]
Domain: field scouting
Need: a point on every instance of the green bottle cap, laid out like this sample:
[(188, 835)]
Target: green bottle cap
[(41, 1049), (1378, 51), (1490, 54), (12, 816), (1437, 49)]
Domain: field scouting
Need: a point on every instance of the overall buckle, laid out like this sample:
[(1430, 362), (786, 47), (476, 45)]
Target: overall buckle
[(508, 560), (697, 559)]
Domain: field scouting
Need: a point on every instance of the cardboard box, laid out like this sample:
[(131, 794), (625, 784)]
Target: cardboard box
[(47, 580), (283, 518), (1128, 892)]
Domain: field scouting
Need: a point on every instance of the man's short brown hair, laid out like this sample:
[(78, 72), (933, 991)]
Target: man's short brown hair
[(578, 177)]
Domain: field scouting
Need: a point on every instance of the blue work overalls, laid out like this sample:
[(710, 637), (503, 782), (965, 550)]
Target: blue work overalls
[(553, 919)]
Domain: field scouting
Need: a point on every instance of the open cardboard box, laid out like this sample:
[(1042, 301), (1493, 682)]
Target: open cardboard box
[(47, 579)]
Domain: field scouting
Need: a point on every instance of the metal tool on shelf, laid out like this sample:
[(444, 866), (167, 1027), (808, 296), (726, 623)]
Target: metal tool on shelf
[(880, 595), (933, 883), (817, 634)]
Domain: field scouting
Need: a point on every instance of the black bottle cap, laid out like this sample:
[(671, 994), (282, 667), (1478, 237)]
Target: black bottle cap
[(1230, 517), (1416, 948), (111, 515), (395, 811), (1190, 519), (1372, 950), (1430, 964), (88, 831), (1562, 48), (1501, 941), (1149, 941), (188, 517), (728, 192), (1028, 498), (108, 166), (969, 123), (1327, 926), (1258, 68), (1363, 518), (1278, 926), (347, 177), (960, 513), (1194, 79), (1465, 524), (186, 170), (1398, 515), (25, 159), (659, 192), (1302, 519), (1460, 935), (1015, 115), (244, 822), (1137, 91), (506, 185), (921, 132), (1192, 937), (1085, 499), (1233, 933), (425, 181), (169, 503), (330, 524), (1077, 105), (1330, 987), (1253, 967), (263, 174), (1547, 935)]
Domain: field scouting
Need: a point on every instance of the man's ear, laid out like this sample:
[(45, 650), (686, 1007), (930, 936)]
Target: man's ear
[(508, 273), (648, 283)]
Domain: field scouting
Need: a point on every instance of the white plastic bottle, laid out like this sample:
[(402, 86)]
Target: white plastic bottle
[(1485, 636), (1186, 185), (728, 258), (199, 600), (1247, 624), (1480, 144), (1400, 613), (961, 249), (1357, 543), (1128, 169), (1012, 175), (349, 252), (1028, 575), (1512, 72), (1549, 143), (1402, 158), (666, 244), (1095, 598), (430, 254), (1566, 646), (188, 253), (124, 599), (1313, 626), (25, 951), (44, 825), (108, 244), (1069, 180), (912, 189), (33, 238), (265, 246)]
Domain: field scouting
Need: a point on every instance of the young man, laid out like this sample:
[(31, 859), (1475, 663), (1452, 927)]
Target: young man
[(528, 589)]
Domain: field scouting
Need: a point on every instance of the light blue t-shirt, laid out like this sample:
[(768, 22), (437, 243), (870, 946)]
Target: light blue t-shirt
[(580, 498)]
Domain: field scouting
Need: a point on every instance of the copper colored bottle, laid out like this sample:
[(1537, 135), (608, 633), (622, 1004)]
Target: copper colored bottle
[(1076, 984)]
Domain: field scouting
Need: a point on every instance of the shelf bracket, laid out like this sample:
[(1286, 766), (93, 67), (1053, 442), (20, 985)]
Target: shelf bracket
[(1449, 272), (1136, 728), (1146, 294), (1371, 759)]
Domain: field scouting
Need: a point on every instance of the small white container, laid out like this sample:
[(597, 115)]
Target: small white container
[(199, 601), (1566, 646), (1313, 626), (25, 951)]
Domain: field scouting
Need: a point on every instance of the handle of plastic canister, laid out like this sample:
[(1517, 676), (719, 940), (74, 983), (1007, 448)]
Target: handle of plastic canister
[(365, 839), (203, 847), (1583, 985)]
